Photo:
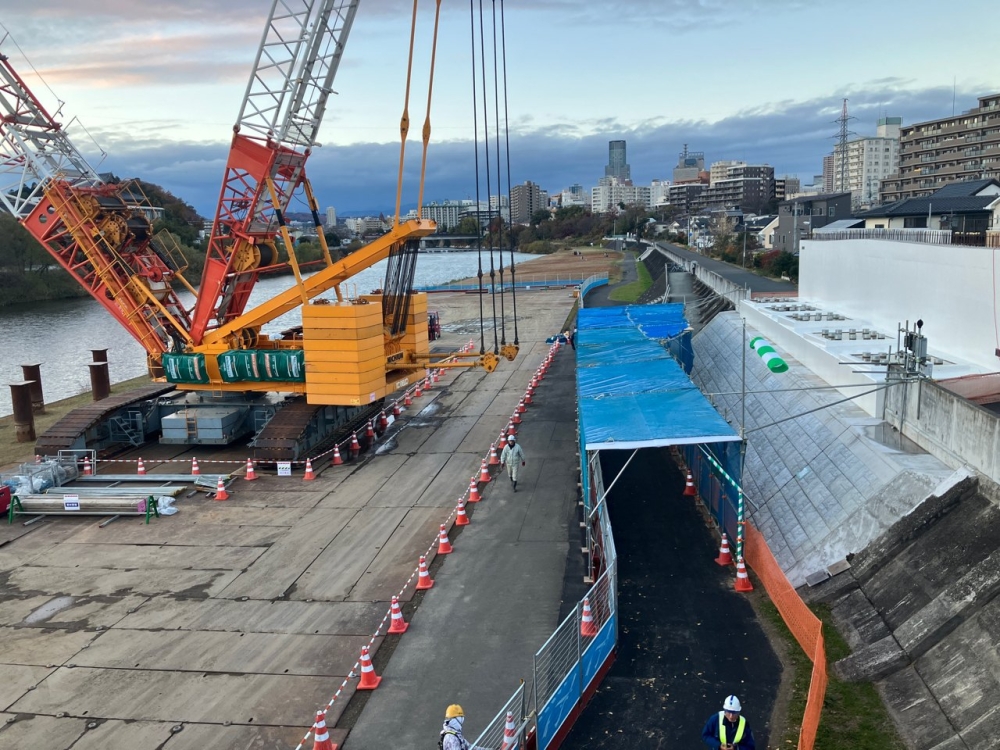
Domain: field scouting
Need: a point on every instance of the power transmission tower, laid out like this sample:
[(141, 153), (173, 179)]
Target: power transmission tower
[(842, 137)]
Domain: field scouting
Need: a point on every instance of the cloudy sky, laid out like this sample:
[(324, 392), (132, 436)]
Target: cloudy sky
[(158, 85)]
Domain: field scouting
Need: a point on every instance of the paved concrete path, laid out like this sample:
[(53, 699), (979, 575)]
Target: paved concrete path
[(227, 625), (735, 274), (600, 296)]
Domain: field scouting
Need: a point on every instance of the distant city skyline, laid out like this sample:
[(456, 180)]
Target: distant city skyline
[(160, 98)]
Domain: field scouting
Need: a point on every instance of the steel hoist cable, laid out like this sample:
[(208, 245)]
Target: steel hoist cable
[(486, 161), (475, 141), (496, 112), (506, 132)]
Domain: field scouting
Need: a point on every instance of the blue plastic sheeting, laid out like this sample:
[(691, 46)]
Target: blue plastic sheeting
[(631, 392)]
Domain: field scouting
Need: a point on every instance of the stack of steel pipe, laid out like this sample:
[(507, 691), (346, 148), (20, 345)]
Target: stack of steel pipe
[(87, 506)]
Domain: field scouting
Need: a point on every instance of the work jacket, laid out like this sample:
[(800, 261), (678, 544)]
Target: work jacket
[(718, 724)]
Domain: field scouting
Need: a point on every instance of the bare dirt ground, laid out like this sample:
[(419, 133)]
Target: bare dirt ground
[(565, 265)]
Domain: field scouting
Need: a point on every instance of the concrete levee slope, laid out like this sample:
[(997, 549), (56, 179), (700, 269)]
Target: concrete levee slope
[(821, 485), (920, 609)]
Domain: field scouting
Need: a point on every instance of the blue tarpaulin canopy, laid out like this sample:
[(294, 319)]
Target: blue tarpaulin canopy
[(632, 393)]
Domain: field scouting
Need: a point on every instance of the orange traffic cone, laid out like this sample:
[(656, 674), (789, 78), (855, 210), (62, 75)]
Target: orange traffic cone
[(337, 458), (321, 734), (195, 471), (407, 401), (418, 393), (395, 409), (521, 407), (509, 733), (220, 490), (484, 473), (251, 474), (444, 545), (397, 625), (724, 558), (140, 468), (742, 579), (310, 475), (515, 418), (383, 421), (527, 395), (369, 680), (87, 470), (494, 459), (435, 376), (461, 517), (369, 430), (427, 384), (511, 430), (689, 490), (355, 448), (474, 491), (587, 627), (501, 442), (424, 580)]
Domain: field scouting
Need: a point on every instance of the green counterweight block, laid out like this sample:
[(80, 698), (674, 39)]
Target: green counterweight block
[(766, 351)]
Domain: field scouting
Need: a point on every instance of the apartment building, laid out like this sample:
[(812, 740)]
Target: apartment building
[(748, 186), (610, 193), (525, 200), (952, 149), (869, 160)]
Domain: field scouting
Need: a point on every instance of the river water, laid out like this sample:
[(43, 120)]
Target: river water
[(61, 334)]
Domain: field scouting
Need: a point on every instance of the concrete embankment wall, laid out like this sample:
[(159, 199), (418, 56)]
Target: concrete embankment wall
[(956, 430), (721, 286)]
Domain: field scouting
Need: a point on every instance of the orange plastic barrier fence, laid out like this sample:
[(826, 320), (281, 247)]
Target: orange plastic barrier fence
[(803, 624)]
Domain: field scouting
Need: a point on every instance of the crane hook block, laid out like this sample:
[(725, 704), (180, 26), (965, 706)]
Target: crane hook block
[(509, 351), (489, 361)]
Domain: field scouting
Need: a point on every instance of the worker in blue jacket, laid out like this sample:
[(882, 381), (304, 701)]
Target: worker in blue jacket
[(727, 730)]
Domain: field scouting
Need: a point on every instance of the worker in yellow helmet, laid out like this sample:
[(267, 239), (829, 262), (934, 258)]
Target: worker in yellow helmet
[(451, 733)]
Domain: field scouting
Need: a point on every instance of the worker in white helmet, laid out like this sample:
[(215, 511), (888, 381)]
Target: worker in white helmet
[(728, 730), (513, 458), (451, 734)]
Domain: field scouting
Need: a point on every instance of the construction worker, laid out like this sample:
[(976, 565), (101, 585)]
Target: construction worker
[(512, 457), (727, 730), (451, 732)]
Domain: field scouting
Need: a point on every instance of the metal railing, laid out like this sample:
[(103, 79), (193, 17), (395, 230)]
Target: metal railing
[(923, 236), (535, 282), (598, 279), (493, 735)]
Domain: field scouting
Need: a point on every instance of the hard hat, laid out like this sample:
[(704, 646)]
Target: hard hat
[(732, 704), (512, 439), (455, 710)]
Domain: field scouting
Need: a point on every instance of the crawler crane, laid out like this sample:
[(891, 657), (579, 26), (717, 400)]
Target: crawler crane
[(290, 392)]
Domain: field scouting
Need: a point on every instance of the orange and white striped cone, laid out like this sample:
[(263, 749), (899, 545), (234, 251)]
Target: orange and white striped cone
[(220, 490), (338, 460), (355, 448), (484, 473), (528, 394), (424, 580), (725, 557), (397, 625), (383, 421), (140, 468), (494, 459), (511, 430), (87, 470), (427, 383), (195, 469), (444, 544), (461, 517), (509, 733), (251, 475), (521, 408), (689, 488), (395, 410), (321, 735), (742, 579), (418, 393), (515, 418), (588, 629), (369, 680), (501, 442), (310, 475), (369, 430), (435, 376), (407, 401), (474, 491)]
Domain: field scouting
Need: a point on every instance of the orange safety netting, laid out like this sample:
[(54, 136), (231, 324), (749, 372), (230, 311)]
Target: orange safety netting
[(803, 624)]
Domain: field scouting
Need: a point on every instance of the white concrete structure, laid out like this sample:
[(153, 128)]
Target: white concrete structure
[(720, 170), (331, 216), (659, 193), (953, 289)]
